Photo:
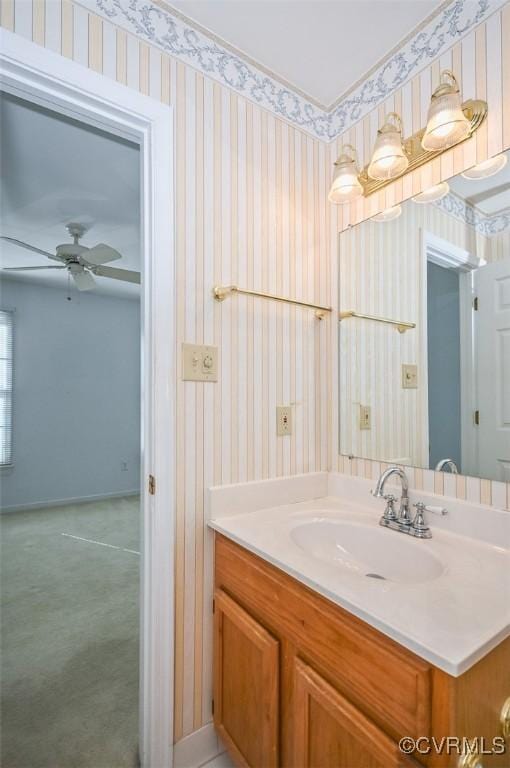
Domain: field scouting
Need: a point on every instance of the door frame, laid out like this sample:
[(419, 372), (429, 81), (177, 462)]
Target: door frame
[(46, 78), (450, 256)]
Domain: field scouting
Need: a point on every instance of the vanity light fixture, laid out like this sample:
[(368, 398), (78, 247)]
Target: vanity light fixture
[(446, 122), (389, 214), (432, 194), (449, 123), (487, 168), (388, 158), (346, 187)]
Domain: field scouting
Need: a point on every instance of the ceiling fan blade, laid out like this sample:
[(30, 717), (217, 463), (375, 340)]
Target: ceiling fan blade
[(84, 280), (33, 248), (24, 269), (128, 275), (100, 254)]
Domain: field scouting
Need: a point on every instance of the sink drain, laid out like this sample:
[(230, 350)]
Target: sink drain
[(375, 576)]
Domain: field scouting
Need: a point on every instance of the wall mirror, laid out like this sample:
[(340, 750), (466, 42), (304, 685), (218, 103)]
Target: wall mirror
[(431, 387)]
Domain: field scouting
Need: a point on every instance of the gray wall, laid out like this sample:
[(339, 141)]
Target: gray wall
[(76, 395), (443, 320)]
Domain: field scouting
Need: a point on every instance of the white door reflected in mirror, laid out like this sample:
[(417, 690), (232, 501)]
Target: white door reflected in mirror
[(492, 343)]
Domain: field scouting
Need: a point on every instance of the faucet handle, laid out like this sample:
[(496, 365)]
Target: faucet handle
[(389, 512), (421, 507), (419, 526)]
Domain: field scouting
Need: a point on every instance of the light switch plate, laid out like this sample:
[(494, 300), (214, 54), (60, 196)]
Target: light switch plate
[(409, 376), (365, 417), (283, 420), (199, 362)]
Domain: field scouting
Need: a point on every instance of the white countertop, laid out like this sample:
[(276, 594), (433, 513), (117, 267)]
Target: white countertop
[(452, 620)]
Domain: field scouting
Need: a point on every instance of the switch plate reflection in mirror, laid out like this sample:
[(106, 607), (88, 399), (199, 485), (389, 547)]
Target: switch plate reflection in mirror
[(409, 376)]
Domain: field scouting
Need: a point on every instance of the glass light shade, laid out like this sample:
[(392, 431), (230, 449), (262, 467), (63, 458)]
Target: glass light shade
[(389, 214), (345, 186), (446, 122), (388, 158), (432, 194), (487, 168)]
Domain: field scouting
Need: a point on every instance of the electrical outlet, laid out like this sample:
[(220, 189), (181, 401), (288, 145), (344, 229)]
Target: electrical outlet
[(199, 362), (409, 376), (365, 418), (123, 466), (283, 420)]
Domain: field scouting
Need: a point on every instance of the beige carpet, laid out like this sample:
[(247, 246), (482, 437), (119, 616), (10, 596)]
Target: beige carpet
[(70, 636)]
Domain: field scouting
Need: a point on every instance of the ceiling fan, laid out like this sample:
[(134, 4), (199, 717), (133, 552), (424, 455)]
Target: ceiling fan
[(82, 263)]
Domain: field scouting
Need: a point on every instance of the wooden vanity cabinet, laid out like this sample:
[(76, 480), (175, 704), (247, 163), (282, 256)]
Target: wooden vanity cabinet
[(301, 683), (327, 730), (246, 665)]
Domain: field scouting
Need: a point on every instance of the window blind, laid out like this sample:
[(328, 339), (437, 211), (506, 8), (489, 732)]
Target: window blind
[(6, 376)]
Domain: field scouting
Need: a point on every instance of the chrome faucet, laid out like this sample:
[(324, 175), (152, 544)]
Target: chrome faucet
[(404, 517), (446, 465), (402, 522)]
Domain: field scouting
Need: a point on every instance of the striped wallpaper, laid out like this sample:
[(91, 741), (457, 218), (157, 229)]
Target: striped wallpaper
[(482, 65), (252, 208), (500, 246)]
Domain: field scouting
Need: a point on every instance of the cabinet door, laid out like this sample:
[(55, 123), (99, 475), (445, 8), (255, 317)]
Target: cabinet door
[(329, 732), (246, 659)]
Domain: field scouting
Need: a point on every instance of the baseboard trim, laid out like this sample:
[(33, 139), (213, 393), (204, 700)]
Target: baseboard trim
[(72, 500), (198, 748)]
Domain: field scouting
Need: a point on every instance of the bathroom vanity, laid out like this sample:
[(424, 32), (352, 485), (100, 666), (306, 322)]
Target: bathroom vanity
[(319, 663)]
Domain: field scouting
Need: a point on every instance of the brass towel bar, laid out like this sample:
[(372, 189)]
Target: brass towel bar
[(401, 325), (220, 293)]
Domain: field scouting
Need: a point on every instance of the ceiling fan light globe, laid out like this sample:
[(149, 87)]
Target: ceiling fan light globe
[(83, 279)]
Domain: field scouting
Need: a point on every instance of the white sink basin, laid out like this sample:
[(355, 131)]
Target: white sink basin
[(376, 553)]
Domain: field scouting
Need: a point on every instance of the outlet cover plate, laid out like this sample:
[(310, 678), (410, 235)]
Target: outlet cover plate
[(365, 417), (199, 362), (283, 420)]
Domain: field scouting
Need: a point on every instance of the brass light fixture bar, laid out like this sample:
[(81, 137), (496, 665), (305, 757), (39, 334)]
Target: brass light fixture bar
[(475, 111), (221, 292), (401, 325)]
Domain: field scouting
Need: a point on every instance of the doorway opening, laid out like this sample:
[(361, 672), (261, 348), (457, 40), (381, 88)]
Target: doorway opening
[(74, 93), (444, 366), (71, 489)]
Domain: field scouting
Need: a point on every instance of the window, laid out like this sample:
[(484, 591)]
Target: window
[(5, 387)]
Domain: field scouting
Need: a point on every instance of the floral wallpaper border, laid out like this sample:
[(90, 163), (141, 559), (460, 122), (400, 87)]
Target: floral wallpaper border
[(461, 210), (158, 26)]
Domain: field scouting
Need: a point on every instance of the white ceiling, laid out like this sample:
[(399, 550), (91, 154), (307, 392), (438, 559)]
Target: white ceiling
[(323, 47), (56, 171), (490, 195)]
